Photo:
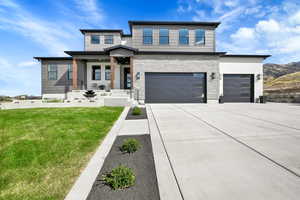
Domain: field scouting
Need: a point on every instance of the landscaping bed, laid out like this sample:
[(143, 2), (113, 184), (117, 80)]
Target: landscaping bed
[(141, 115), (42, 151), (142, 164)]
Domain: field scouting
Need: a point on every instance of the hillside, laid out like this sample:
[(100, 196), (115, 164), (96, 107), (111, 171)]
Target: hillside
[(282, 77)]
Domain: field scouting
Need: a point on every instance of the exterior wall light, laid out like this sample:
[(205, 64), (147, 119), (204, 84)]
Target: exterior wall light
[(258, 77), (138, 76), (213, 75)]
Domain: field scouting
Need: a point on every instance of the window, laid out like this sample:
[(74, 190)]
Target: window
[(199, 36), (52, 72), (96, 72), (147, 36), (95, 39), (70, 72), (163, 36), (107, 72), (108, 39), (184, 36)]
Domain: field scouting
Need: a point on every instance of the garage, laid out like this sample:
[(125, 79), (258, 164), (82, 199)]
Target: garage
[(238, 88), (175, 87)]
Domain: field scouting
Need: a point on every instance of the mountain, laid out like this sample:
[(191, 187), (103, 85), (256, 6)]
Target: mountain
[(282, 77)]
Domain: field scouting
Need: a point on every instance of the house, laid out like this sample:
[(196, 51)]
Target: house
[(160, 61)]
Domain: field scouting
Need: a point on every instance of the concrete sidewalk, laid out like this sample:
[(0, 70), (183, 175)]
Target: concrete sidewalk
[(217, 153)]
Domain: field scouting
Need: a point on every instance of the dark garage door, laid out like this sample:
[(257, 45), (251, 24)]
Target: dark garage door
[(175, 87), (238, 88)]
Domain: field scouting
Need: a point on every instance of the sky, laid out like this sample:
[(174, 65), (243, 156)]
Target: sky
[(31, 28)]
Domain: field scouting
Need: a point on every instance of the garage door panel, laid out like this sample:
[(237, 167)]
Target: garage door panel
[(238, 87), (175, 88)]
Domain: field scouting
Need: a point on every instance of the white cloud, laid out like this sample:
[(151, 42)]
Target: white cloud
[(28, 63), (295, 19), (268, 26), (244, 34), (90, 10), (51, 36)]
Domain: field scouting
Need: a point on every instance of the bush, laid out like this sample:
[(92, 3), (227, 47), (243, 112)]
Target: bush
[(136, 111), (130, 146), (120, 177)]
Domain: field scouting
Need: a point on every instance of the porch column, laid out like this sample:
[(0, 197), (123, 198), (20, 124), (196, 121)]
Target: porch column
[(112, 72), (131, 70), (75, 74)]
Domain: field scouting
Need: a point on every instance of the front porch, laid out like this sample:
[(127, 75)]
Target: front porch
[(106, 70)]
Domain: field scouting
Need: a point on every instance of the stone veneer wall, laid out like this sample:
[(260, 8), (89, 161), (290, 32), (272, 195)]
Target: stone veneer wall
[(177, 63)]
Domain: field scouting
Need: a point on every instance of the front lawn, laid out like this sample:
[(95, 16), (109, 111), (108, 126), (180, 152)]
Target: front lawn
[(42, 151)]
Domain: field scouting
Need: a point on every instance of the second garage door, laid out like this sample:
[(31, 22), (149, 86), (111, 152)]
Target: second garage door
[(238, 88), (175, 87)]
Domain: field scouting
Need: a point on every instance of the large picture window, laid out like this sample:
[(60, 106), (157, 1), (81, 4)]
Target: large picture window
[(199, 36), (163, 36), (108, 39), (184, 36), (70, 72), (52, 72), (95, 39), (147, 36), (107, 72), (96, 72)]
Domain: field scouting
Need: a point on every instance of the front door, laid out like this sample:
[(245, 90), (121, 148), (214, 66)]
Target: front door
[(127, 78)]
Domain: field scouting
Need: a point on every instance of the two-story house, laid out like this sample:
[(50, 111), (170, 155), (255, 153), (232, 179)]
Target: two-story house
[(161, 61)]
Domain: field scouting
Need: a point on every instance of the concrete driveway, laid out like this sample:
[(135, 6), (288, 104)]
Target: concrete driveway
[(232, 151)]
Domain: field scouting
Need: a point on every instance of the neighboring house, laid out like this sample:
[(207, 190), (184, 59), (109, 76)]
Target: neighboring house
[(161, 61)]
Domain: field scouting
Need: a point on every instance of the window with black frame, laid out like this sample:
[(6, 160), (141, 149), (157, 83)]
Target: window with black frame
[(164, 36), (108, 39), (199, 36), (107, 72), (70, 72), (52, 72), (96, 72), (147, 36), (95, 39), (184, 36)]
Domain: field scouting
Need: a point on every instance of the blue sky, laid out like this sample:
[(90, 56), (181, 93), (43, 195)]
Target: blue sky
[(46, 28)]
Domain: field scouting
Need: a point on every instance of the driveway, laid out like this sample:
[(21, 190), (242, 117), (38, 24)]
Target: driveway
[(232, 151)]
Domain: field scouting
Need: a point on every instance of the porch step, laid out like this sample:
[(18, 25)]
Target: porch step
[(117, 101)]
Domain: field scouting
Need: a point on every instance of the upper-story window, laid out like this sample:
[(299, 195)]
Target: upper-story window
[(163, 36), (107, 72), (52, 72), (95, 39), (184, 36), (70, 72), (147, 36), (96, 72), (199, 36), (108, 39)]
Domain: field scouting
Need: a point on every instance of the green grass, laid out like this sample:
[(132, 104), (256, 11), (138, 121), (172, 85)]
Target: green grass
[(120, 178), (42, 151), (136, 111)]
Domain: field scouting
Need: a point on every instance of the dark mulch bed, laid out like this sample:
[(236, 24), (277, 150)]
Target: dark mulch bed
[(141, 162), (143, 115)]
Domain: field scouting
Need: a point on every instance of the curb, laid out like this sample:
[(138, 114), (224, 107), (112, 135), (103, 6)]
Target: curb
[(84, 183)]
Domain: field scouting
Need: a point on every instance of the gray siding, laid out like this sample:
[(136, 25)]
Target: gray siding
[(209, 46), (60, 85), (177, 63), (99, 47)]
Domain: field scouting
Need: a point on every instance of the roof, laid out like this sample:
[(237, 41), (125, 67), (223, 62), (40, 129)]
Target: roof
[(183, 23), (53, 58), (181, 52), (246, 55), (120, 47), (101, 30), (74, 53)]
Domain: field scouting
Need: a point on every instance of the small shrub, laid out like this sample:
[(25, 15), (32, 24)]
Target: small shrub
[(130, 146), (120, 178), (136, 111)]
